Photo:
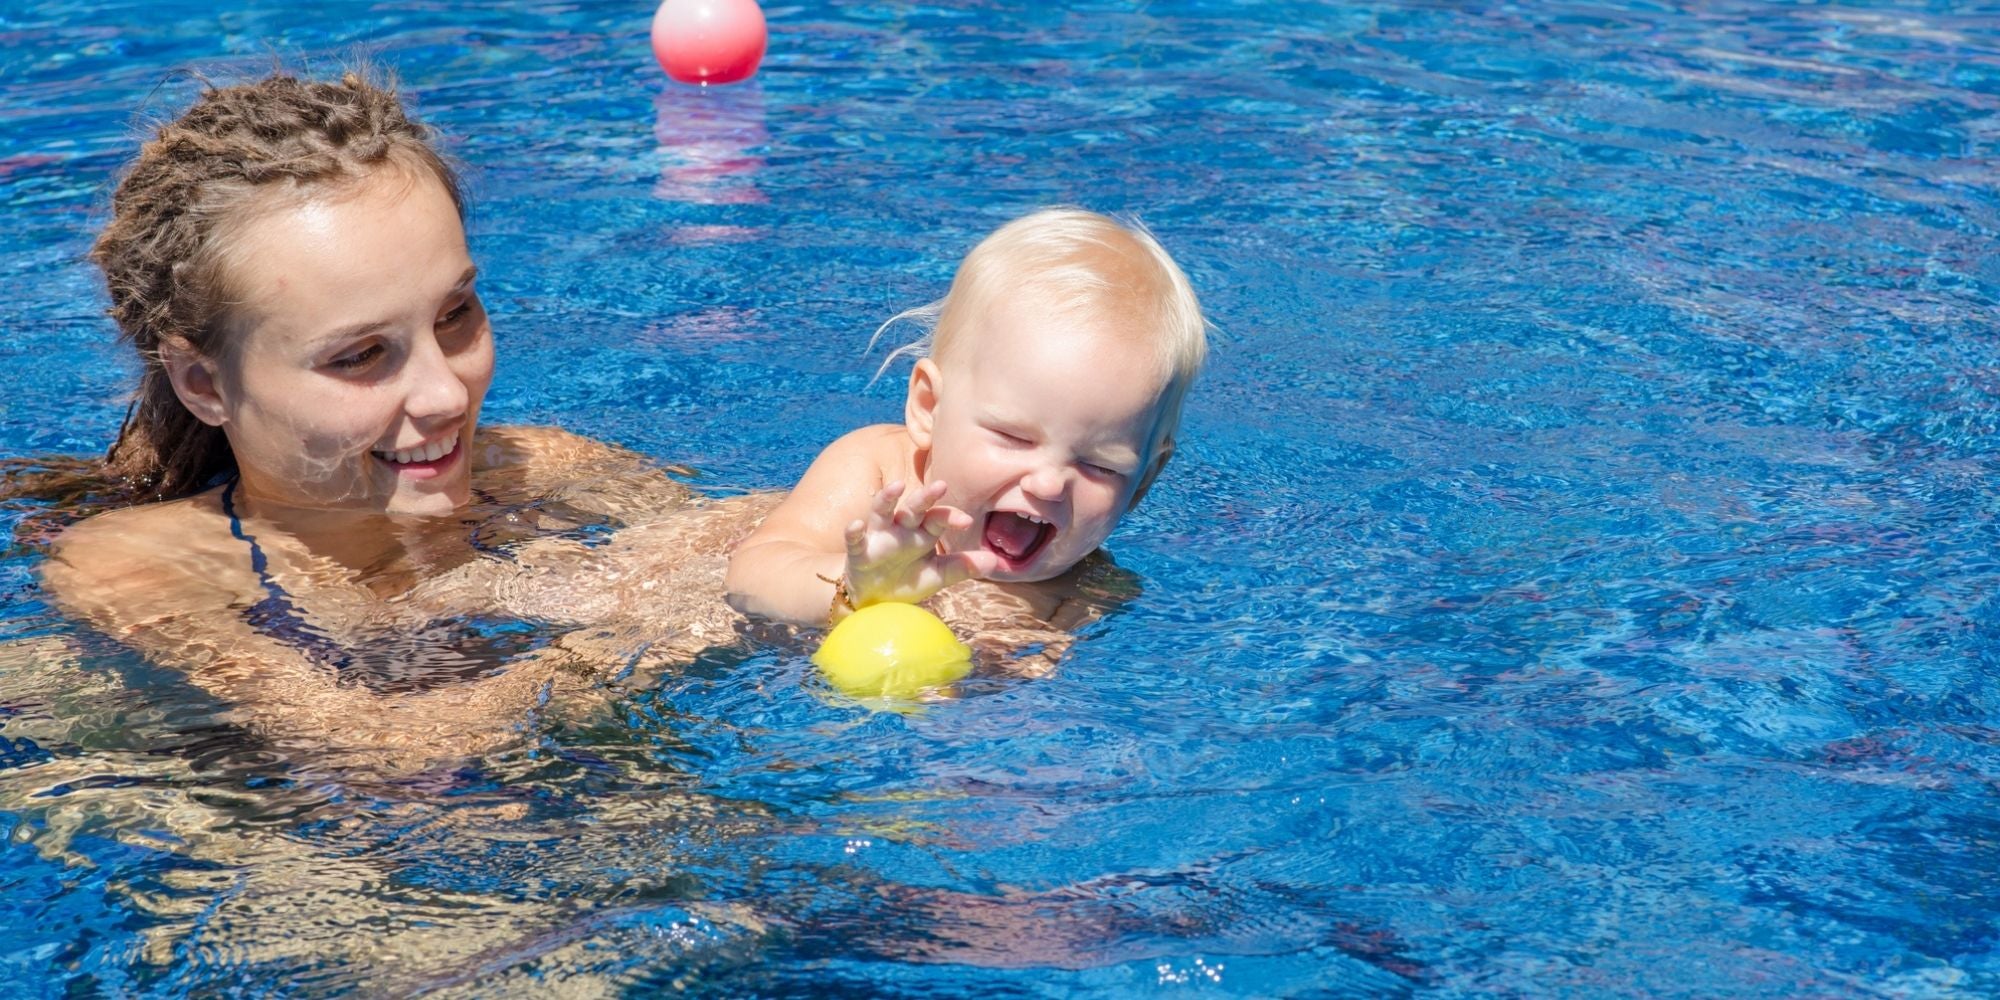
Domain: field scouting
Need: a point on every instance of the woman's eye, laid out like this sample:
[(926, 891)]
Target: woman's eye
[(457, 313), (358, 359)]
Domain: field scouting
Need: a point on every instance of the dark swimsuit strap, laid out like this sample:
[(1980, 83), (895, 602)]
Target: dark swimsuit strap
[(399, 658), (275, 615)]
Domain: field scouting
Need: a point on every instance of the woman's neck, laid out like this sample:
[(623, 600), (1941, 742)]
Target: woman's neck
[(385, 552)]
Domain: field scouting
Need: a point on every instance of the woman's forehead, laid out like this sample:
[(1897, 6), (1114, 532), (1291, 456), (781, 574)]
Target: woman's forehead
[(386, 244)]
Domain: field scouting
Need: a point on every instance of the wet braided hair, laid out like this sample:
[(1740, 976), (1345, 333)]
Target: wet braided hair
[(166, 253)]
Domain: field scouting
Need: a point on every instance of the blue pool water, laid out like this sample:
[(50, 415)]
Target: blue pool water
[(1577, 577)]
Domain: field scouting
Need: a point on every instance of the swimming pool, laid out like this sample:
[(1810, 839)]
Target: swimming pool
[(1576, 577)]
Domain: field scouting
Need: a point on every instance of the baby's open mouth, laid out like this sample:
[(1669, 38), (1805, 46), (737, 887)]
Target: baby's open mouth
[(1016, 537)]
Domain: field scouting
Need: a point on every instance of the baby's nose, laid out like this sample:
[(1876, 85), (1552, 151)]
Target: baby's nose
[(1047, 481)]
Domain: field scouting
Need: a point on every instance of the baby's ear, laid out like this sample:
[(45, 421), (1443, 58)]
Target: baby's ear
[(1153, 468), (193, 379), (921, 402)]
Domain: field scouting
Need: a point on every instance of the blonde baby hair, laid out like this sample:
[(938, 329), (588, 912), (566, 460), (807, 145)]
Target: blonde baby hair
[(1075, 261)]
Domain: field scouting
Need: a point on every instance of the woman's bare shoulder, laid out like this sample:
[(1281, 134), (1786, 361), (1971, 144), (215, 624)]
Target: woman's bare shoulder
[(544, 448), (135, 529), (512, 463), (134, 551)]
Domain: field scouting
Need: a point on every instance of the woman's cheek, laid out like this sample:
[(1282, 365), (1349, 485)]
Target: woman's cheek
[(349, 428), (477, 373)]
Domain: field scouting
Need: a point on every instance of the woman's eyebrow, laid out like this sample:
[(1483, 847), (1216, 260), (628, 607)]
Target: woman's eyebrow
[(368, 326), (349, 332)]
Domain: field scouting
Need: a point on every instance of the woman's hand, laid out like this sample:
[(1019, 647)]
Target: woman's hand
[(892, 553)]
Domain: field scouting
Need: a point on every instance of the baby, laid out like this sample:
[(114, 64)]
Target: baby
[(1043, 404)]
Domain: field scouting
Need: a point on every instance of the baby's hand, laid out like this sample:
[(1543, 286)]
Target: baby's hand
[(892, 553)]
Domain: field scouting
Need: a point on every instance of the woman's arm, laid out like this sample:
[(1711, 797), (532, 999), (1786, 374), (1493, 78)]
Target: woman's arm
[(1027, 628)]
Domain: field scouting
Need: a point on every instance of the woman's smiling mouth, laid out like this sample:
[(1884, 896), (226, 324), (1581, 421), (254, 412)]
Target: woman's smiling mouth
[(429, 458)]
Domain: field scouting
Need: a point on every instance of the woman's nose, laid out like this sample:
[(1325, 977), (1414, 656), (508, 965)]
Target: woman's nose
[(435, 390)]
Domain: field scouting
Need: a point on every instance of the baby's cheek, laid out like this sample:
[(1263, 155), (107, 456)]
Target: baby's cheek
[(1103, 512), (954, 496), (1107, 500)]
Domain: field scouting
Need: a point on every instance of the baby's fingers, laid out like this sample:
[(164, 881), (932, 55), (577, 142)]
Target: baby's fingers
[(938, 520), (913, 513), (884, 506), (856, 536)]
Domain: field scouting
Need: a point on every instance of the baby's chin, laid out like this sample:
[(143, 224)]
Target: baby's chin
[(1044, 566), (1033, 574)]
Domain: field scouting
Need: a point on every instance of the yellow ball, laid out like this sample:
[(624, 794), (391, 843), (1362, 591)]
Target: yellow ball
[(892, 651)]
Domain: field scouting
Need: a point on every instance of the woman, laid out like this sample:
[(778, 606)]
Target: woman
[(289, 261)]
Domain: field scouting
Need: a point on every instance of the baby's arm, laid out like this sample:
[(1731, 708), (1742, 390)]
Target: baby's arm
[(777, 571), (843, 523)]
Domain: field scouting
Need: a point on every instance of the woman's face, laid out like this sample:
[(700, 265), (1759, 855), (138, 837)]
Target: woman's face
[(358, 353)]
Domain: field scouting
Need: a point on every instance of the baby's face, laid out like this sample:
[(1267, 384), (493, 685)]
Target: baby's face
[(1043, 429)]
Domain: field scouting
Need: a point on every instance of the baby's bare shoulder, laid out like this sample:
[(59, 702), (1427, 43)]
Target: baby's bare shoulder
[(882, 450), (838, 485)]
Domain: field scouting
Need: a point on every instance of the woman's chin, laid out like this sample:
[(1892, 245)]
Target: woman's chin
[(430, 502)]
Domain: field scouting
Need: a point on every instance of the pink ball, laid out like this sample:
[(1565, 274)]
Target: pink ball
[(709, 41)]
